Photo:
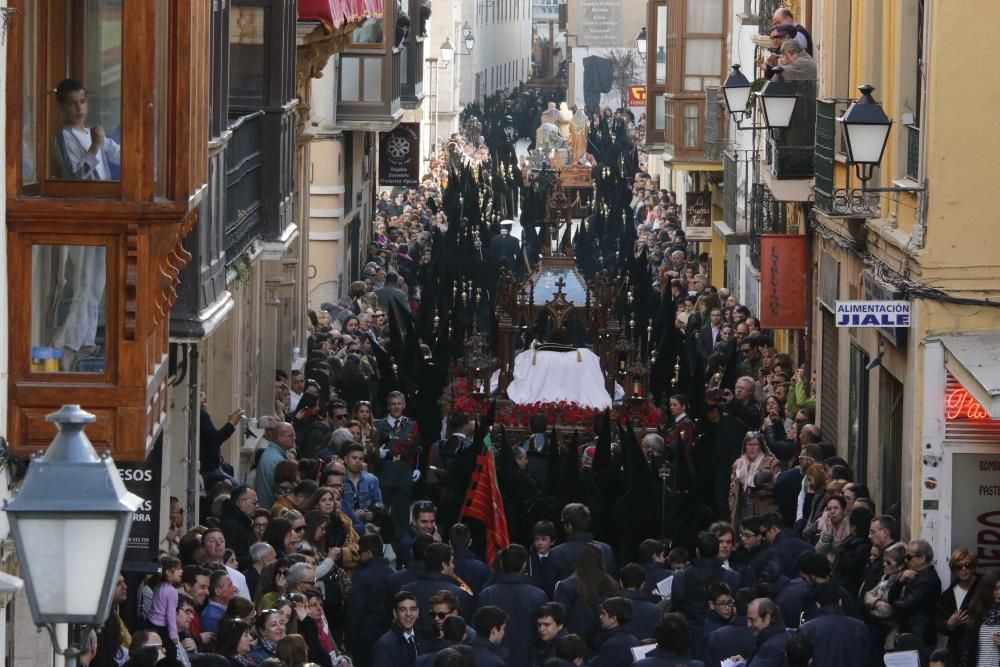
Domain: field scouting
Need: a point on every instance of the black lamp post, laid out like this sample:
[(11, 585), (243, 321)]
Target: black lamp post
[(70, 523), (866, 133), (640, 43)]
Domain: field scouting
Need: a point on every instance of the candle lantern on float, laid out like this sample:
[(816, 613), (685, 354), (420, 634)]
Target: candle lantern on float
[(479, 366), (638, 382)]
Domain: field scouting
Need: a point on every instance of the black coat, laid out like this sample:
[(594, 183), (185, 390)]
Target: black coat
[(655, 573), (947, 607), (516, 595), (210, 441), (487, 653), (852, 561), (915, 605), (789, 546), (733, 639), (473, 571), (540, 571), (425, 586), (615, 650), (646, 614), (690, 591), (837, 639), (392, 650), (786, 492), (238, 530), (769, 646), (563, 558), (368, 604)]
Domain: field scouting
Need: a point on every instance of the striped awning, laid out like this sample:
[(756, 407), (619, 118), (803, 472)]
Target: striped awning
[(336, 14)]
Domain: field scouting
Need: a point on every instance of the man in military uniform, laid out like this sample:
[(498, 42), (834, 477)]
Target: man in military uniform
[(399, 460), (507, 249)]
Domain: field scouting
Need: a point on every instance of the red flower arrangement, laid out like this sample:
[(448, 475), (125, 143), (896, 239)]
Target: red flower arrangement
[(562, 413)]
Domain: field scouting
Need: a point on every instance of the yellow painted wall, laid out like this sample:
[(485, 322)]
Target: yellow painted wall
[(962, 142)]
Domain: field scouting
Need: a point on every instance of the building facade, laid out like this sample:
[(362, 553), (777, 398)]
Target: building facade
[(502, 57), (932, 442), (685, 63)]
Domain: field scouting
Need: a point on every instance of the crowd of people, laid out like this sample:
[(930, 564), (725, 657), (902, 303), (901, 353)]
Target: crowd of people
[(732, 531)]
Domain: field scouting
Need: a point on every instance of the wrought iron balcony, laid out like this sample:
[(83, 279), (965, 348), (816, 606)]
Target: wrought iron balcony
[(277, 182), (244, 158), (789, 152), (767, 216), (411, 69), (913, 152), (715, 127)]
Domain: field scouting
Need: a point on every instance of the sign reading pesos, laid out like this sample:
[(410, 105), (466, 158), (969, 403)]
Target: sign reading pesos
[(873, 314)]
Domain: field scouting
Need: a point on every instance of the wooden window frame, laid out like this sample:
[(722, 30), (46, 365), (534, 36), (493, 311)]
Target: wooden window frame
[(21, 315), (137, 127)]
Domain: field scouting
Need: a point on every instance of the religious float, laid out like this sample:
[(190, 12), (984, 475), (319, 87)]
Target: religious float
[(561, 347)]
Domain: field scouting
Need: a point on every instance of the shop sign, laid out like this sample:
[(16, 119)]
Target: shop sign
[(783, 281), (873, 314), (143, 479), (399, 156), (975, 518), (698, 216), (637, 96)]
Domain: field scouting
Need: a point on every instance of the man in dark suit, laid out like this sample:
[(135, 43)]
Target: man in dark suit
[(709, 334), (399, 646), (439, 575), (367, 617), (576, 522), (391, 294), (913, 596), (838, 638), (513, 592), (506, 248)]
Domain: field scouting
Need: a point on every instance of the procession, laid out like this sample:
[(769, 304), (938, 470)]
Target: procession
[(602, 334)]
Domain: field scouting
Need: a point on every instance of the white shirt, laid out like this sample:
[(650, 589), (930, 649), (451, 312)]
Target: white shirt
[(240, 582), (293, 401), (72, 147)]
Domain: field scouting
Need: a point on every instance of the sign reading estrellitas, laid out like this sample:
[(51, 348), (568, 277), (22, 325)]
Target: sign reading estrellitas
[(873, 314)]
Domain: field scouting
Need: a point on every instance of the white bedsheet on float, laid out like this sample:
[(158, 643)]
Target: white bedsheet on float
[(546, 376)]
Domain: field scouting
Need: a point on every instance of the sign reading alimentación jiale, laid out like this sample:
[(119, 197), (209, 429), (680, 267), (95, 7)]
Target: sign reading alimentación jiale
[(873, 314)]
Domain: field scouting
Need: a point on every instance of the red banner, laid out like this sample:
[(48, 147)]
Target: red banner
[(783, 281)]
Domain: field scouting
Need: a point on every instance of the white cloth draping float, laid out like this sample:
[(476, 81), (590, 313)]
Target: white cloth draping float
[(547, 376)]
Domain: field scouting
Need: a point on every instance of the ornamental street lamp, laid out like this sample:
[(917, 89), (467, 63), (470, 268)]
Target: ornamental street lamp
[(777, 101), (640, 43), (866, 133), (70, 522), (447, 52), (468, 38), (736, 92)]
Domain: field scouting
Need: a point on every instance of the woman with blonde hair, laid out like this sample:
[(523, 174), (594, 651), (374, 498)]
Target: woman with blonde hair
[(953, 605), (751, 483)]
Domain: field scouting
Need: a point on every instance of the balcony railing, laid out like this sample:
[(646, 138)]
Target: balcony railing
[(715, 137), (276, 181), (767, 216), (411, 69), (244, 157), (790, 151), (730, 187), (825, 154), (913, 152)]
